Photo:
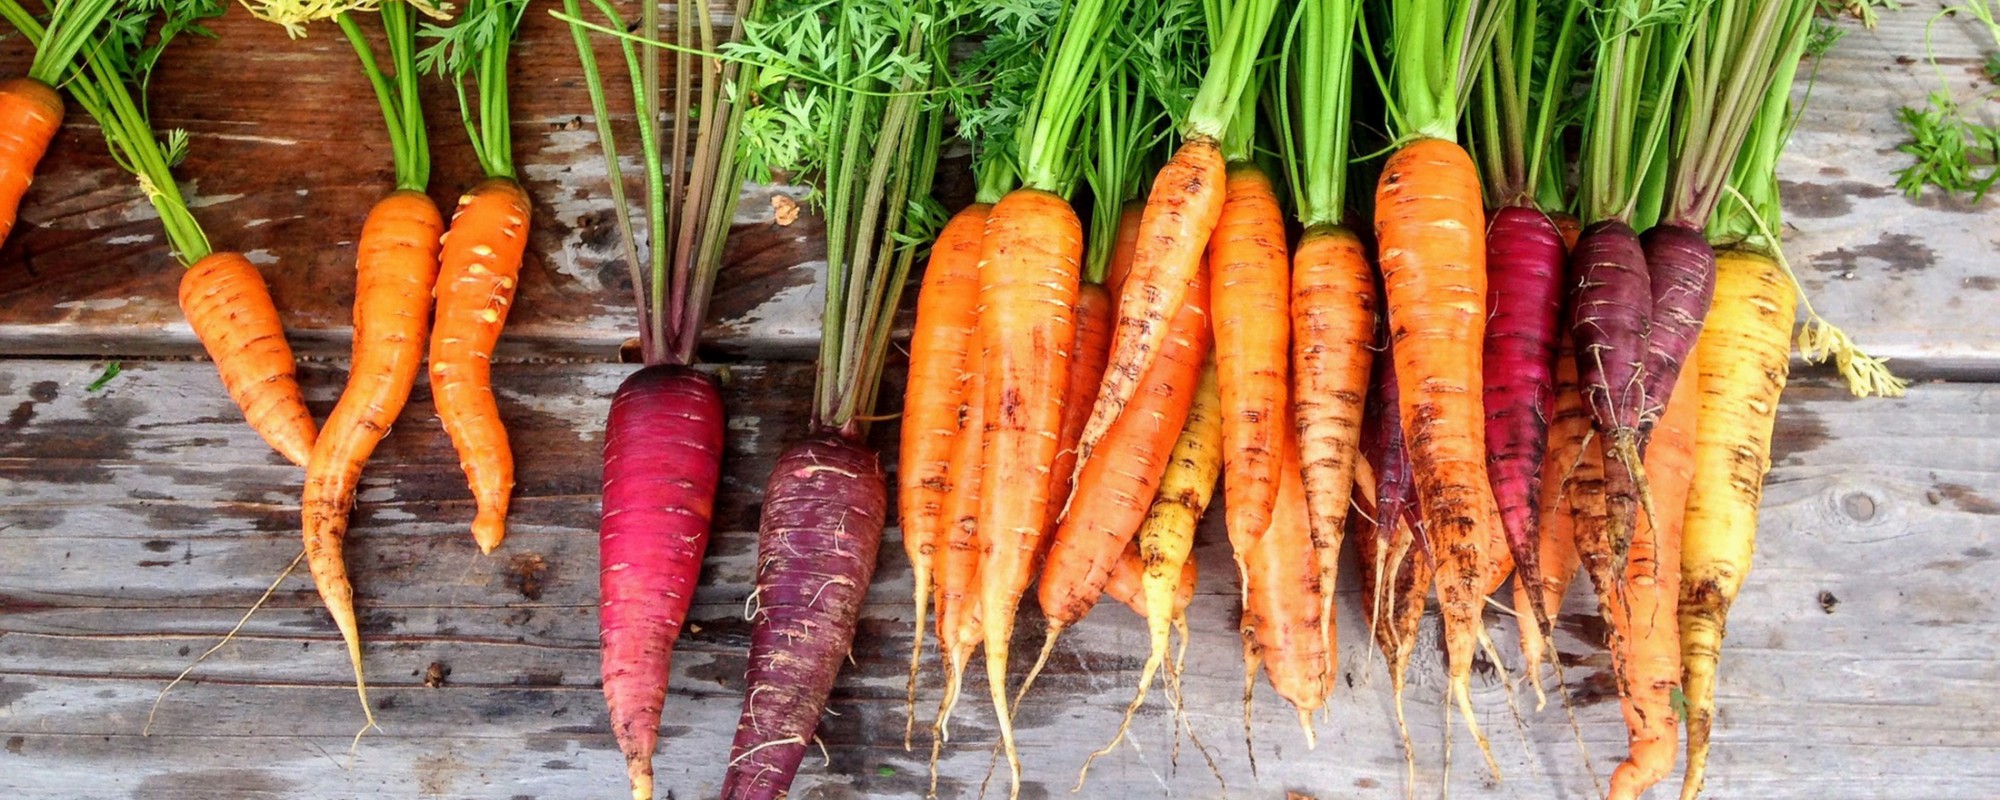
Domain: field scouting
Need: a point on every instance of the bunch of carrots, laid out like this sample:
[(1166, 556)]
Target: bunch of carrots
[(1518, 370)]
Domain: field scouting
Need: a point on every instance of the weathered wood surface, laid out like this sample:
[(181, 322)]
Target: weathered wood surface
[(141, 520), (276, 175)]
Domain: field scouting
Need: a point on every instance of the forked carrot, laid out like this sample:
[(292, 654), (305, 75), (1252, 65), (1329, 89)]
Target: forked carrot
[(1284, 626)]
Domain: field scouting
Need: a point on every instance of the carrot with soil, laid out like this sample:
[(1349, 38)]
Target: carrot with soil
[(222, 294), (1572, 469), (1182, 211), (1331, 296), (396, 267), (1396, 559), (1429, 228), (1743, 355), (1029, 275), (31, 110), (869, 147), (663, 438), (480, 267), (1518, 126)]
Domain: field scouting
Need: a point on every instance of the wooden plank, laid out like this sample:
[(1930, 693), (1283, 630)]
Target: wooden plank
[(1861, 660), (275, 176)]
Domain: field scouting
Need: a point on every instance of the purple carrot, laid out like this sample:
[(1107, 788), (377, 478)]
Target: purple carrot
[(1396, 562), (1611, 321), (823, 516), (1524, 268), (662, 459), (1683, 271)]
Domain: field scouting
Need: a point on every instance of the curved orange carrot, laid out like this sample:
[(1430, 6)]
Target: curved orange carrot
[(1430, 225), (1250, 280), (1283, 625), (1181, 213), (395, 270), (934, 407), (1027, 326), (1094, 314), (480, 267), (1115, 487), (229, 307), (30, 113), (1647, 641), (1122, 249), (956, 561)]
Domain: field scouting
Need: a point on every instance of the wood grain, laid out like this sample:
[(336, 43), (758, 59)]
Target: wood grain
[(131, 551), (277, 176)]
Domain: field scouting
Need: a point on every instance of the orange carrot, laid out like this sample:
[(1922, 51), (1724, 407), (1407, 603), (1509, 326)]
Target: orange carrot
[(1283, 625), (956, 590), (1086, 369), (1124, 247), (935, 406), (1430, 224), (1646, 641), (229, 307), (1028, 272), (30, 113), (480, 267), (1127, 582), (396, 270), (1333, 330), (1252, 343), (1181, 212)]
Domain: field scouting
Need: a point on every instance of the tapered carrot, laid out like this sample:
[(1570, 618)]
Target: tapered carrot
[(30, 113), (956, 560), (1284, 627), (229, 307), (1123, 248), (1128, 584), (1430, 223), (1094, 315), (395, 272), (1647, 647), (1556, 516), (481, 267), (1115, 487), (934, 409), (1249, 280), (1181, 212), (1743, 356)]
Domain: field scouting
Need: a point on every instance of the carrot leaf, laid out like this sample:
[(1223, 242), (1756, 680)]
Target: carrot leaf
[(473, 49), (1313, 101)]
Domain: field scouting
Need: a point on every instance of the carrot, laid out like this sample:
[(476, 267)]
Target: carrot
[(826, 502), (481, 267), (959, 627), (392, 297), (1124, 247), (1744, 354), (1247, 256), (30, 114), (1181, 211), (1397, 560), (229, 307), (1116, 485), (1647, 650), (1166, 541), (1086, 370), (663, 438), (1284, 625), (1429, 222), (1333, 327), (934, 409), (1556, 516), (1524, 255)]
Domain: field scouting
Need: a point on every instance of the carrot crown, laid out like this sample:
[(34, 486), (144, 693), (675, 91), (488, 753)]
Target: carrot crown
[(989, 91), (1640, 45), (474, 48), (691, 210), (118, 58), (1312, 99), (865, 136), (1232, 64), (1748, 214), (71, 25), (1063, 90), (1519, 102), (1434, 46), (1738, 50)]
